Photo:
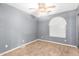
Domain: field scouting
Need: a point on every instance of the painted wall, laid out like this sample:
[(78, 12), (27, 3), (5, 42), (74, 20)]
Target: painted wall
[(16, 27), (77, 25), (70, 17)]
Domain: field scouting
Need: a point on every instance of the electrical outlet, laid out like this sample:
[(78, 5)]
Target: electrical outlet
[(41, 36), (6, 46), (65, 40), (23, 41)]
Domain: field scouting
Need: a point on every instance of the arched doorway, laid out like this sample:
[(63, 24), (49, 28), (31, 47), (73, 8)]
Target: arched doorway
[(57, 27)]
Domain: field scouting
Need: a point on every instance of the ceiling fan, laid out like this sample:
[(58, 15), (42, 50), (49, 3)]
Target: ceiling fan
[(43, 8)]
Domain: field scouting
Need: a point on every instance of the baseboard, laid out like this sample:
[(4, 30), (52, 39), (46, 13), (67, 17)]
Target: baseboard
[(35, 41), (17, 47), (58, 43)]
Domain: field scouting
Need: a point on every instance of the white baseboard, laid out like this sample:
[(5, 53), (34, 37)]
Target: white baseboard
[(32, 42), (17, 47), (58, 43)]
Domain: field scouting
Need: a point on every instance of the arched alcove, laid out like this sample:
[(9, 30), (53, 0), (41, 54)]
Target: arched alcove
[(57, 27)]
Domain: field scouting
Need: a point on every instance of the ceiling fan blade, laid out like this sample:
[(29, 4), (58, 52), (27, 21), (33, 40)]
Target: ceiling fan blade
[(32, 8)]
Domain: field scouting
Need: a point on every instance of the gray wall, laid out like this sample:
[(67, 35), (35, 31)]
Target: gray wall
[(70, 17), (77, 25), (16, 27)]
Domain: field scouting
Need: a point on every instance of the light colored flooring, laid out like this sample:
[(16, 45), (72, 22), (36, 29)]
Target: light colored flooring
[(42, 48)]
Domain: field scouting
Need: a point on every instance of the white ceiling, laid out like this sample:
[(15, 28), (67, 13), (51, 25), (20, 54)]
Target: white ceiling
[(60, 7)]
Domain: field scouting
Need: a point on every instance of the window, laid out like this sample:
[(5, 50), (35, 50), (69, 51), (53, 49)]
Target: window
[(57, 27)]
